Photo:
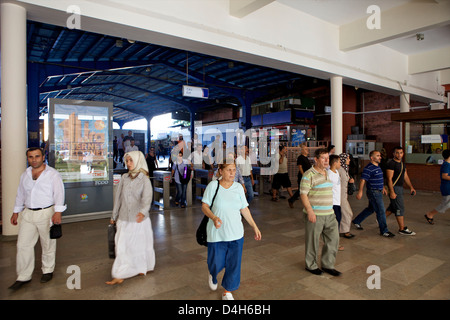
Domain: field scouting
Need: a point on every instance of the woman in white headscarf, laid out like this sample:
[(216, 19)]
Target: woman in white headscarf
[(134, 237)]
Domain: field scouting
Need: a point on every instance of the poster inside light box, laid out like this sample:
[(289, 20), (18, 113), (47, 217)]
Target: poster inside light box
[(81, 142)]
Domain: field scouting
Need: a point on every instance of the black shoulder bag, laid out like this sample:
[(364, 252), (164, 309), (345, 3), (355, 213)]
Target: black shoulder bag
[(201, 231), (351, 187), (111, 240)]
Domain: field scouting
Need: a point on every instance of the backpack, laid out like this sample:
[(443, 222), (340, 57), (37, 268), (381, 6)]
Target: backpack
[(185, 176)]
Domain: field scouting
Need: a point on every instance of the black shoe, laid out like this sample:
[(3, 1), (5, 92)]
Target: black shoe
[(358, 226), (18, 284), (387, 234), (46, 277), (333, 272), (291, 203), (317, 271)]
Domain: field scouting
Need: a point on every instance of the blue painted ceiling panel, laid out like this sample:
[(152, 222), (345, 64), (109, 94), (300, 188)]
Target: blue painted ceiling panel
[(142, 79)]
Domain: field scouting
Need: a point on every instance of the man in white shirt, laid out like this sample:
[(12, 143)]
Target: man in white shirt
[(39, 202), (217, 149), (333, 174), (245, 165), (127, 140), (335, 178), (197, 157), (131, 147)]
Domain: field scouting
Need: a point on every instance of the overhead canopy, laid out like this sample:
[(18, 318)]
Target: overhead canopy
[(428, 116), (141, 79)]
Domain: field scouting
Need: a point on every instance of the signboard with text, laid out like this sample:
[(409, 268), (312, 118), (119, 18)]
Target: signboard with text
[(195, 92)]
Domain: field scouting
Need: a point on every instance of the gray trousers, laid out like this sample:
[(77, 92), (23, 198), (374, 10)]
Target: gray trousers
[(327, 228)]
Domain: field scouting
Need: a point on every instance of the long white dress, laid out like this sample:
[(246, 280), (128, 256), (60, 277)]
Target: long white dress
[(134, 241), (134, 249)]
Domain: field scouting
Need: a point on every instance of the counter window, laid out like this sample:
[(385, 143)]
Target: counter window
[(425, 142)]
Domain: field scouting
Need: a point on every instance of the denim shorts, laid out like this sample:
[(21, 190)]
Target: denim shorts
[(444, 205), (397, 205)]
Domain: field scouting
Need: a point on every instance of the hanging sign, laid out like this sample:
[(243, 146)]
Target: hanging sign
[(195, 92), (431, 138)]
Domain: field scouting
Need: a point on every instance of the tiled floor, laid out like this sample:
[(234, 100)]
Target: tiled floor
[(411, 267)]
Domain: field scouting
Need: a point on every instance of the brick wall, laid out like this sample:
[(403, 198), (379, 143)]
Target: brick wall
[(424, 177), (380, 124)]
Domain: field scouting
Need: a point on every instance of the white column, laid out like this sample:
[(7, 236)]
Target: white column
[(14, 106), (336, 114), (404, 102), (404, 107)]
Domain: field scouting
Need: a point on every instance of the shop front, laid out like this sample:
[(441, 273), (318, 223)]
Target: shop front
[(290, 119), (289, 122)]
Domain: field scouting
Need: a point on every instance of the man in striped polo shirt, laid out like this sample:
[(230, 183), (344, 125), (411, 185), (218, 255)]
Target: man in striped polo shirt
[(373, 176), (317, 197)]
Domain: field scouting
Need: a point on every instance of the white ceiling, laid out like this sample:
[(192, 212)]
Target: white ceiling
[(341, 12), (433, 39)]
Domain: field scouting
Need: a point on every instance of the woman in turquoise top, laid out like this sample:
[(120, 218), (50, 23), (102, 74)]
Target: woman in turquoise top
[(225, 231)]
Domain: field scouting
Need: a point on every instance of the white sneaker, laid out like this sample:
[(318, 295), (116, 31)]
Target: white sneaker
[(227, 296), (212, 286)]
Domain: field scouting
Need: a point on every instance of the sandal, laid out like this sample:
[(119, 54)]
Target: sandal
[(348, 235), (430, 220)]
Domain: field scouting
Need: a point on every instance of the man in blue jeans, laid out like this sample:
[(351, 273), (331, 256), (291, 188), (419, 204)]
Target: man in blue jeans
[(373, 176)]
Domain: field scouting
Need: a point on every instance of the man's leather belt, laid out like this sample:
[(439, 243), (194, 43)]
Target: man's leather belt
[(37, 209)]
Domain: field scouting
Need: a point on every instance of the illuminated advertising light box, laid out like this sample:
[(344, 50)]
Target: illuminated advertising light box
[(80, 139)]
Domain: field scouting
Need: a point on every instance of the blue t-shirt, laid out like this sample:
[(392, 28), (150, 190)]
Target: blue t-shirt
[(445, 184), (227, 206), (373, 176)]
